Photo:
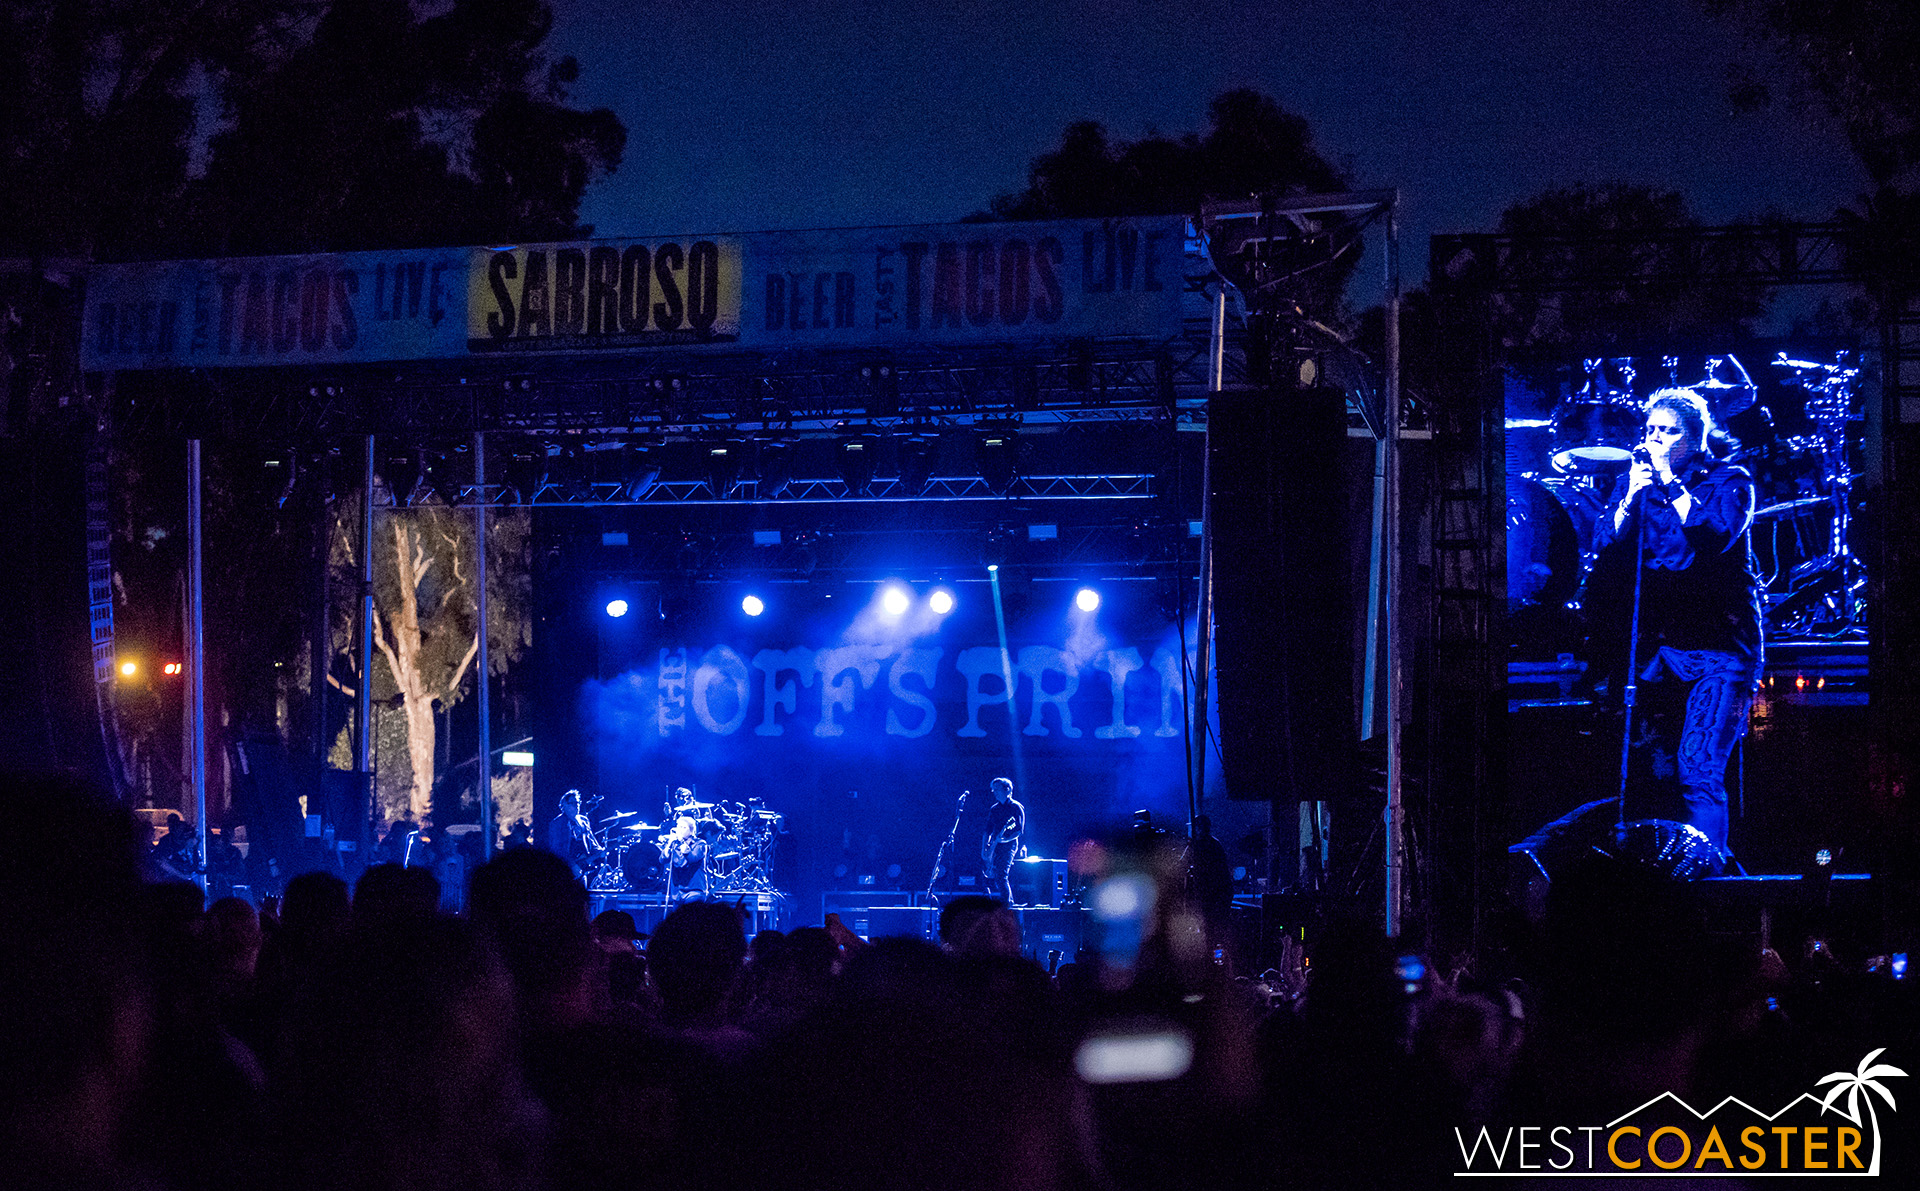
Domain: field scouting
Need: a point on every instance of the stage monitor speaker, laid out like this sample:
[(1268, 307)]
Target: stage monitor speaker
[(1283, 494), (1039, 882), (887, 922)]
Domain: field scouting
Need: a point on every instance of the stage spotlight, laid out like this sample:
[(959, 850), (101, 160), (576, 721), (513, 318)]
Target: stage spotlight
[(856, 457), (279, 472), (997, 453), (694, 552), (996, 547), (776, 467), (129, 669), (941, 601), (663, 395), (322, 464), (802, 552), (916, 464), (525, 471), (574, 474), (448, 473), (1086, 599), (895, 601), (639, 468), (723, 468), (616, 608), (753, 605), (400, 467), (883, 389)]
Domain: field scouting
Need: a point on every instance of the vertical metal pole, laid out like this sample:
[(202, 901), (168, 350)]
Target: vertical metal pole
[(1217, 358), (1203, 648), (196, 661), (1006, 676), (320, 647), (1203, 662), (363, 702), (1396, 815), (480, 612), (1376, 612)]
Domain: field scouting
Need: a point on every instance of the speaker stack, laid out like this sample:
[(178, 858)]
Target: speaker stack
[(1282, 479)]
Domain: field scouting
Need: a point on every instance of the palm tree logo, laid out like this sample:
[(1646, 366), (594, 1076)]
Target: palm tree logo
[(1851, 1082)]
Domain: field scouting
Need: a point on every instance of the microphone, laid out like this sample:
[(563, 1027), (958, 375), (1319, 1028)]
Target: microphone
[(1642, 456)]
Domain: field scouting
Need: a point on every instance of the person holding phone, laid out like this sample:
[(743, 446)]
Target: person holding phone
[(1687, 514)]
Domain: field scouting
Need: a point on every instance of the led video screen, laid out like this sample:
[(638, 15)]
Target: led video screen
[(1687, 604)]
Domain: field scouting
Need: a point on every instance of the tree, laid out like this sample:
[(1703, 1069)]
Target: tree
[(387, 128), (339, 124), (213, 127), (1638, 300), (1857, 57), (95, 116), (1251, 146), (425, 619)]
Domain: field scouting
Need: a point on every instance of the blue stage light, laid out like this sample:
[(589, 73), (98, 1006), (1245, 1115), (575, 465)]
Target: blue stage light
[(1087, 599), (616, 608), (941, 601), (895, 601), (753, 605)]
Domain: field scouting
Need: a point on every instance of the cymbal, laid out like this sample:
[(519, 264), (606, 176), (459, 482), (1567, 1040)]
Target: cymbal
[(621, 815), (1789, 506), (640, 826)]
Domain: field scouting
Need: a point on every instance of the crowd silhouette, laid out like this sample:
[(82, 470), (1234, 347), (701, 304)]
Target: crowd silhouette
[(369, 1039)]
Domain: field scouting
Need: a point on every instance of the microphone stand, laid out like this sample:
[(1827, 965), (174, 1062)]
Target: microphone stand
[(1630, 690), (944, 856)]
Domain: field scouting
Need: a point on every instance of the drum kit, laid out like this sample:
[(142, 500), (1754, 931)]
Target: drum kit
[(1815, 586), (722, 847)]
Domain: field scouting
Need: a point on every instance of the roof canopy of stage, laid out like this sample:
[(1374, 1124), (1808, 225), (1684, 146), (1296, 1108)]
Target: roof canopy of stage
[(784, 331)]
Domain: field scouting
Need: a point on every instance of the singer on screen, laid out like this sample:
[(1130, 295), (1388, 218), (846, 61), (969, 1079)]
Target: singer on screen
[(1698, 655)]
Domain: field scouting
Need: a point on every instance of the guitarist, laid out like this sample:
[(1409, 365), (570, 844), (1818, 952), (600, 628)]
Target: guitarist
[(1006, 821), (571, 834)]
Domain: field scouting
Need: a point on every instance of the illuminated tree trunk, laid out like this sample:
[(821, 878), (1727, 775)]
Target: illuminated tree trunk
[(401, 641)]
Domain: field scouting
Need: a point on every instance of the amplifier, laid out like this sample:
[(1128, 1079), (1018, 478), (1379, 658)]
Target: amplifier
[(886, 922), (842, 901), (758, 911), (1042, 931), (1039, 882)]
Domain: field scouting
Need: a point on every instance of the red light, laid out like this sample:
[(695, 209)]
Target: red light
[(171, 668)]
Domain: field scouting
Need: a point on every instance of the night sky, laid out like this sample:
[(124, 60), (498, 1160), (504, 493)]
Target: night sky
[(746, 115)]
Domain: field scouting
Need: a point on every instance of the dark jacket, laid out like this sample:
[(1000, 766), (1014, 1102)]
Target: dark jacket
[(1699, 590)]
